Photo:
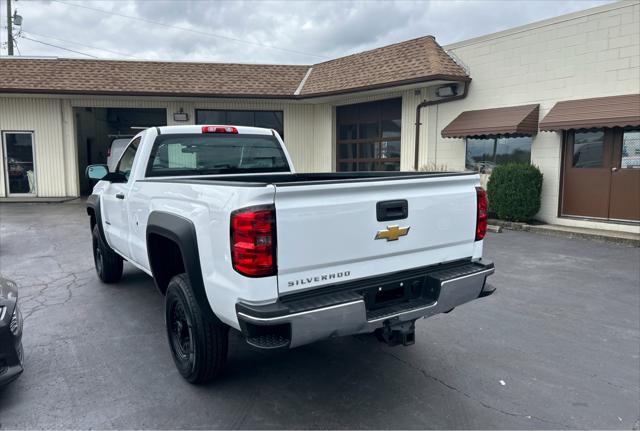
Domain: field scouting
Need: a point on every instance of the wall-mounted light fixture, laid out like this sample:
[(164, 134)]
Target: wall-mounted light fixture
[(447, 90), (180, 116)]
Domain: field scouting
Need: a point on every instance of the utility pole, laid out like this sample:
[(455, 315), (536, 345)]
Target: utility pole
[(9, 29)]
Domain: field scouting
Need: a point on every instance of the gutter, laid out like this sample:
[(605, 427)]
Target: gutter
[(430, 103)]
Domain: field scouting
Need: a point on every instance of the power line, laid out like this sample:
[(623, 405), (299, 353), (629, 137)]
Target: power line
[(77, 43), (203, 33), (58, 46)]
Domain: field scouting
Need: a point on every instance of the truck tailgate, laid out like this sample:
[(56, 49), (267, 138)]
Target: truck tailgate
[(326, 232)]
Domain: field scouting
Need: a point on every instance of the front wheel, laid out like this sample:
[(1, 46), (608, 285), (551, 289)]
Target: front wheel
[(198, 346), (107, 262)]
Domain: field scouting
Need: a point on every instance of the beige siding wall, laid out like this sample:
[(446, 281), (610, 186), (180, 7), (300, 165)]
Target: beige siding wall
[(306, 126), (590, 54), (43, 117), (308, 132)]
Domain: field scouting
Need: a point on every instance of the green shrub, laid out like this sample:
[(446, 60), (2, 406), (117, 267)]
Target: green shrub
[(514, 191)]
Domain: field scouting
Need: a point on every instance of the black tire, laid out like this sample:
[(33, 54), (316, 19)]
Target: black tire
[(199, 346), (108, 263)]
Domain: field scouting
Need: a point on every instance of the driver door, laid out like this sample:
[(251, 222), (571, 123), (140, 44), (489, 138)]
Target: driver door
[(114, 203)]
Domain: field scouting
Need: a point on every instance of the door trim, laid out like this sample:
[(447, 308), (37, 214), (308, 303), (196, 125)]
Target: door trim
[(568, 140), (5, 158), (612, 135)]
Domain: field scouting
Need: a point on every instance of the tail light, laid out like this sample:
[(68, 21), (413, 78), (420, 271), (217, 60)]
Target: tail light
[(109, 152), (253, 241), (219, 129), (481, 218)]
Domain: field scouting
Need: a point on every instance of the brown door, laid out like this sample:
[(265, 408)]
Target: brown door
[(625, 176), (587, 173), (601, 174)]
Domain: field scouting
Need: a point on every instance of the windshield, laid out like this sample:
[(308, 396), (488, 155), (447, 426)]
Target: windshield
[(174, 155)]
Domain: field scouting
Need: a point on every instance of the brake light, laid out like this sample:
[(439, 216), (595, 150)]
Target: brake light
[(219, 129), (253, 241), (481, 218)]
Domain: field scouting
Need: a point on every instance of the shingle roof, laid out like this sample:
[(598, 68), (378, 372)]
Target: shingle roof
[(415, 60), (412, 61), (148, 77)]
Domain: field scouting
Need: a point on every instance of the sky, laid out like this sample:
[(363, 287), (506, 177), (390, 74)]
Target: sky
[(287, 32)]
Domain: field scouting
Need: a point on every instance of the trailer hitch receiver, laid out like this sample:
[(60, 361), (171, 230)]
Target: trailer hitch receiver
[(400, 333)]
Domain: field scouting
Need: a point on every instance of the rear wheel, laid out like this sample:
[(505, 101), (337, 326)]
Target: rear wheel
[(107, 262), (199, 347)]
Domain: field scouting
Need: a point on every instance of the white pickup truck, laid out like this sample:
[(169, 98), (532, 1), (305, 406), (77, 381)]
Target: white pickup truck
[(235, 238)]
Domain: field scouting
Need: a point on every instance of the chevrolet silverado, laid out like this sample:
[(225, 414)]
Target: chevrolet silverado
[(235, 238)]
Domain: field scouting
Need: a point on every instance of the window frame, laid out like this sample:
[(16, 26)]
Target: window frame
[(606, 135), (625, 130), (5, 160), (129, 145), (495, 139), (355, 118), (159, 139)]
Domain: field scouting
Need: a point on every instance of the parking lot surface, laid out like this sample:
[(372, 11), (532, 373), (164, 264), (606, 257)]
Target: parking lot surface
[(557, 346)]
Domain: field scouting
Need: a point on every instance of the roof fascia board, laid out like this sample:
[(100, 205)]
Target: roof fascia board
[(396, 86)]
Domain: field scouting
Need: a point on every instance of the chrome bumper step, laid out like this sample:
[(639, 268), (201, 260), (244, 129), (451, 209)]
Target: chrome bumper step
[(364, 305)]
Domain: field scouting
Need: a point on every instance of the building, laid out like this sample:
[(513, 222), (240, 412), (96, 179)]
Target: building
[(563, 94)]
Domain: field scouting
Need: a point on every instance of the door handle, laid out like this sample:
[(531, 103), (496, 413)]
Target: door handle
[(119, 195), (392, 210), (614, 169)]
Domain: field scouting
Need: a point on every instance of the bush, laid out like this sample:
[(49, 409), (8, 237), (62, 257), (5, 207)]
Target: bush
[(514, 191)]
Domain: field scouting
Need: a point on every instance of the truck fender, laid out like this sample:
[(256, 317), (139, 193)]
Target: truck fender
[(182, 232), (93, 210)]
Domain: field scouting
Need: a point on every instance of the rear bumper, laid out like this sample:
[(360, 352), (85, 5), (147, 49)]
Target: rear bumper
[(364, 306)]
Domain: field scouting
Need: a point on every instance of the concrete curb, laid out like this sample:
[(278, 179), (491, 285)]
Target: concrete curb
[(623, 238)]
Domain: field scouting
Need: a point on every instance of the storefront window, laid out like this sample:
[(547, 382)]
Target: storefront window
[(484, 154)]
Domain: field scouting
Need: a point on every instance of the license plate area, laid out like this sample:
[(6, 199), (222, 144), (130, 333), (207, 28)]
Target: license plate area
[(416, 289)]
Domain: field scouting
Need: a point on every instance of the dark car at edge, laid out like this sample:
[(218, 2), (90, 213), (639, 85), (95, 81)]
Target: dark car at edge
[(11, 353)]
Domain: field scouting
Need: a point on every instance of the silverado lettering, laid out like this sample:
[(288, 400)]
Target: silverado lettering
[(319, 278)]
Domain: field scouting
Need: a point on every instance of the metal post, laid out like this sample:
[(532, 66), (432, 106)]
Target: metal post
[(9, 29)]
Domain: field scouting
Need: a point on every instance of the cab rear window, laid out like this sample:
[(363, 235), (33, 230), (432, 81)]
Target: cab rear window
[(177, 155)]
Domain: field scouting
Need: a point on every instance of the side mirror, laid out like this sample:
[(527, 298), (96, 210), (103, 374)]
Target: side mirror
[(96, 172)]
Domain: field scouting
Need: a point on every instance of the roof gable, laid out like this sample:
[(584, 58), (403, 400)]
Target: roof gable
[(415, 60)]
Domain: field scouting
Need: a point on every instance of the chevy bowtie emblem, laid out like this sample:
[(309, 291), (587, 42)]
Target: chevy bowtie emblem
[(392, 233)]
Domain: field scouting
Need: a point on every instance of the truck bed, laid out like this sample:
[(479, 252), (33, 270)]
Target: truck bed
[(297, 179)]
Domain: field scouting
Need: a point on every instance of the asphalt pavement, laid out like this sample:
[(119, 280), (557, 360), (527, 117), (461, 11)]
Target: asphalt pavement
[(557, 346)]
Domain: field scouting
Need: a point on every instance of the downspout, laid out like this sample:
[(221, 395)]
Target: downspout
[(429, 103)]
